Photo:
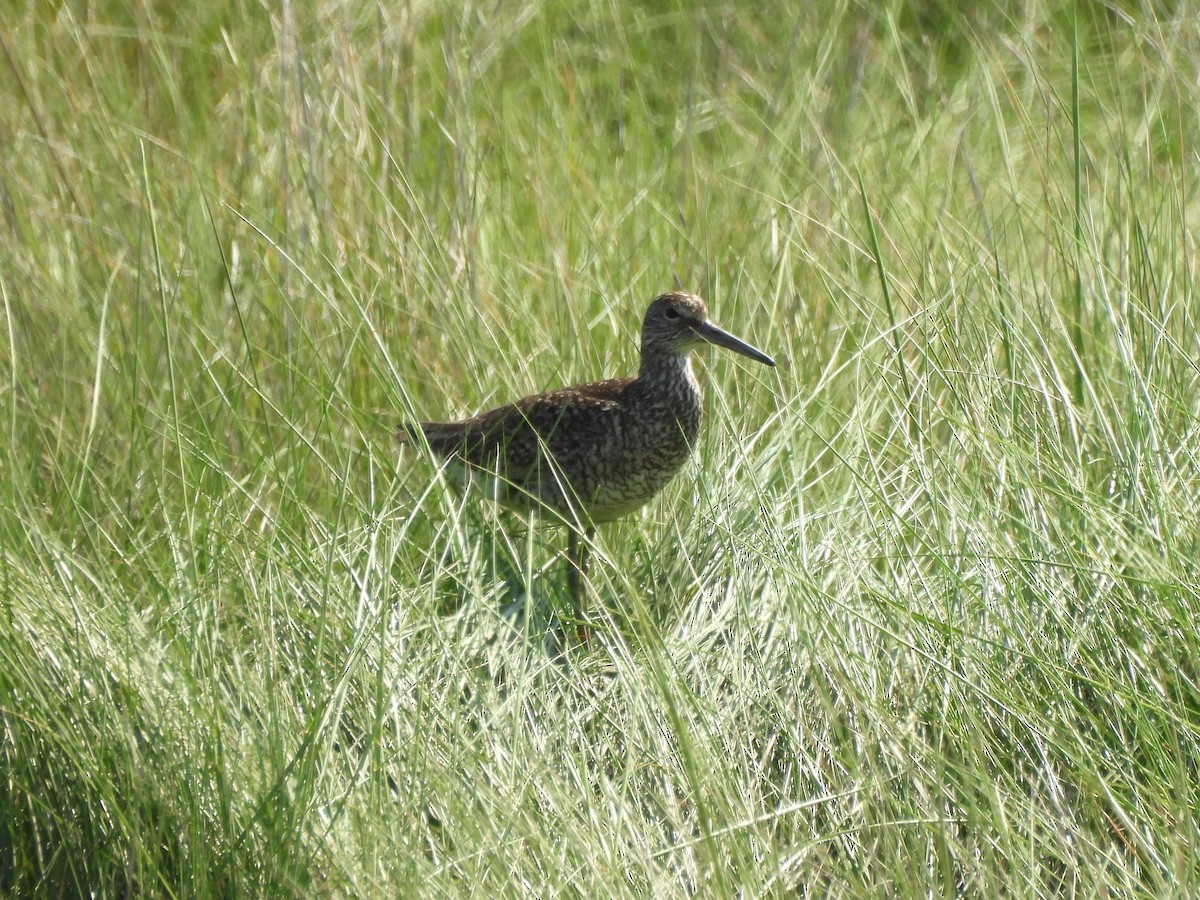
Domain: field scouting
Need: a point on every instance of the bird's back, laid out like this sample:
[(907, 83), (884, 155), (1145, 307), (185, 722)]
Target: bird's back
[(601, 449), (561, 421)]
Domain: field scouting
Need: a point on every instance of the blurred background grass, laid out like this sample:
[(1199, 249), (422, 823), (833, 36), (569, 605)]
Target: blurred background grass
[(920, 620)]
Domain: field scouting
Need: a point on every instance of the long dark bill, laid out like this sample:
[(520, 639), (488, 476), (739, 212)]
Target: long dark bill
[(723, 338)]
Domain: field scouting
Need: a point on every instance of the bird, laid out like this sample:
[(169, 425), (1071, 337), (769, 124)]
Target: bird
[(591, 453)]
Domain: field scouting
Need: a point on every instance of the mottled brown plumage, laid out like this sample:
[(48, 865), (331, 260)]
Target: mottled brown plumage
[(593, 452)]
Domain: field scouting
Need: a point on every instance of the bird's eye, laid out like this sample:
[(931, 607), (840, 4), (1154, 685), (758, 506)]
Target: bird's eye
[(671, 312)]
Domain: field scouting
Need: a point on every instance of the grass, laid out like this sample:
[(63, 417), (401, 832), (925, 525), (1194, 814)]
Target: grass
[(919, 621)]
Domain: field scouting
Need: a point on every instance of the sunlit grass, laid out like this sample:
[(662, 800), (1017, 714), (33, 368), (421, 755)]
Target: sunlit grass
[(918, 620)]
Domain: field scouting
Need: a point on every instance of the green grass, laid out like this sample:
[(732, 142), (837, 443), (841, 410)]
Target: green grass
[(920, 621)]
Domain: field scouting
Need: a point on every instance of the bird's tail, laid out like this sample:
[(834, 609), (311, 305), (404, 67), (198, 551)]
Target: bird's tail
[(444, 438), (408, 433)]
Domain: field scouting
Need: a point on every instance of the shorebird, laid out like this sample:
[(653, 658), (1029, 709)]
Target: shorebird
[(591, 453)]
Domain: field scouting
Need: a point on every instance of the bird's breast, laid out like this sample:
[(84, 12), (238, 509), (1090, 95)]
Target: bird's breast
[(652, 439)]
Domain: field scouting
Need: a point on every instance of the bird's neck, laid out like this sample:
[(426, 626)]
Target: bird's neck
[(666, 384), (669, 373)]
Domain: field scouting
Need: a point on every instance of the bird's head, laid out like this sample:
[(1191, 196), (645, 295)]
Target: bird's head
[(677, 323)]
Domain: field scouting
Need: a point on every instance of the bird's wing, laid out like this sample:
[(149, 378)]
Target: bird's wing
[(566, 422)]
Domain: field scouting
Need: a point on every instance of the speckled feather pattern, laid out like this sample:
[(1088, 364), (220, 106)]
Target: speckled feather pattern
[(596, 451)]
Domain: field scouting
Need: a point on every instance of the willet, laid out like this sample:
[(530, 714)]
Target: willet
[(592, 453)]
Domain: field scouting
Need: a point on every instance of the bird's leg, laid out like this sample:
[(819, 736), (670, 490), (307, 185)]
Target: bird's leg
[(578, 558)]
